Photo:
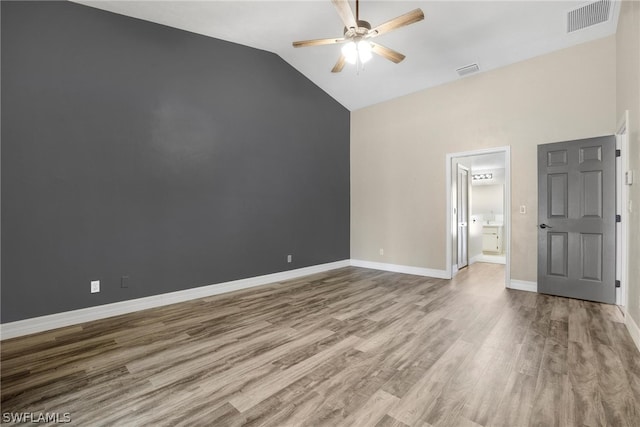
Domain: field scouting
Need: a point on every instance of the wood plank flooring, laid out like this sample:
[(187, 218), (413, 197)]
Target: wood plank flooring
[(352, 347)]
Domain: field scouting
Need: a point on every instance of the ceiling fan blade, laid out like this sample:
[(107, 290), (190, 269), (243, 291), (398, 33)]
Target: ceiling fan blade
[(401, 21), (387, 53), (339, 65), (318, 42), (345, 12)]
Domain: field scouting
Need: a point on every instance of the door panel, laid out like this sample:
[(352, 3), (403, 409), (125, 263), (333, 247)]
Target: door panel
[(576, 213), (558, 200), (558, 254), (463, 216), (591, 194), (557, 158), (591, 251)]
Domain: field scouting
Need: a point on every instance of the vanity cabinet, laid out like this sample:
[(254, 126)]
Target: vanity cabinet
[(492, 239)]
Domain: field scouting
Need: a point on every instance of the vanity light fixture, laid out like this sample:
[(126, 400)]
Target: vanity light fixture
[(481, 176)]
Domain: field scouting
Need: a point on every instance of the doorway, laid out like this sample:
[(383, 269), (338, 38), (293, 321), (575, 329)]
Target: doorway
[(491, 170)]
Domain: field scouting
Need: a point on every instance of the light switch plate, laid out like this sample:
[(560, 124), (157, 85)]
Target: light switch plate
[(95, 286)]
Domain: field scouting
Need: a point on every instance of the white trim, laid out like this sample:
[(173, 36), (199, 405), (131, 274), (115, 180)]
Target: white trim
[(68, 318), (507, 207), (523, 285), (633, 329), (449, 219), (406, 269), (622, 204)]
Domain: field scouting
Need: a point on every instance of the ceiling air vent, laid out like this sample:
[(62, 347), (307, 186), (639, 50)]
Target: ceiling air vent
[(468, 69), (588, 15)]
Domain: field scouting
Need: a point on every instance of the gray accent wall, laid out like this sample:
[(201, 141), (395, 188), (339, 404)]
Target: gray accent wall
[(134, 149)]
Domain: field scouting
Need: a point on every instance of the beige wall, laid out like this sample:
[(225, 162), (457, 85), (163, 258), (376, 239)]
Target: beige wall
[(398, 149), (628, 98)]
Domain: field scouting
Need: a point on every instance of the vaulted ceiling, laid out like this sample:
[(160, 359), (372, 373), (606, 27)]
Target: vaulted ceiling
[(453, 34)]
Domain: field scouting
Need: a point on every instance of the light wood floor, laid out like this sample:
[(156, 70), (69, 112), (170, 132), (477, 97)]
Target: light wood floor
[(349, 347)]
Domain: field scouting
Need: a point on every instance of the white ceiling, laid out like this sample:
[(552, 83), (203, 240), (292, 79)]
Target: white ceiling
[(454, 34)]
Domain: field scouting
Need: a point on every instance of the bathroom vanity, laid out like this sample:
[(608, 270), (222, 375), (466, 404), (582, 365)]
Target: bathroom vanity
[(492, 238)]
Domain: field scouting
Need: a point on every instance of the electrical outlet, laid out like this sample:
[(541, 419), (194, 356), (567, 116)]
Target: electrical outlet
[(95, 286), (523, 209), (381, 251), (289, 258), (124, 282)]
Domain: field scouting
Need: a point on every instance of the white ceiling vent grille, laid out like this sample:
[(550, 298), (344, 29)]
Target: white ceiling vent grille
[(468, 69), (588, 15)]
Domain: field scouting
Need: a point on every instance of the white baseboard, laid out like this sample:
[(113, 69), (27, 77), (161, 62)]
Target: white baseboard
[(522, 285), (633, 329), (68, 318), (406, 269)]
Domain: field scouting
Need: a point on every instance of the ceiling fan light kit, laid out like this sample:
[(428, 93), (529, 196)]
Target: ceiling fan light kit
[(357, 51), (357, 48)]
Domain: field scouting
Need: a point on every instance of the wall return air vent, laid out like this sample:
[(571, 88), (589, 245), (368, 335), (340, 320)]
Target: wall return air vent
[(468, 69), (590, 14)]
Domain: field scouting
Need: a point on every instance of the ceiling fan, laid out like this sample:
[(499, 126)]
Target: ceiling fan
[(357, 33)]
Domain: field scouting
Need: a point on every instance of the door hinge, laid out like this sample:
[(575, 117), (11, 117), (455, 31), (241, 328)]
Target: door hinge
[(617, 283), (618, 153), (618, 218)]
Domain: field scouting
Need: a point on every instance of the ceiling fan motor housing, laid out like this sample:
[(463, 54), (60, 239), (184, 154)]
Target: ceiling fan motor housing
[(362, 30)]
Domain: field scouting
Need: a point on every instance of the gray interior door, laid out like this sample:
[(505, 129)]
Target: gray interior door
[(463, 216), (576, 217)]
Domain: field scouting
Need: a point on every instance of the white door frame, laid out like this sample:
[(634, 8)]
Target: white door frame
[(622, 208), (507, 204)]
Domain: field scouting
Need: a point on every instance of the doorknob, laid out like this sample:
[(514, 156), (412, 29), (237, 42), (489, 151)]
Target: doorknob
[(543, 226)]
